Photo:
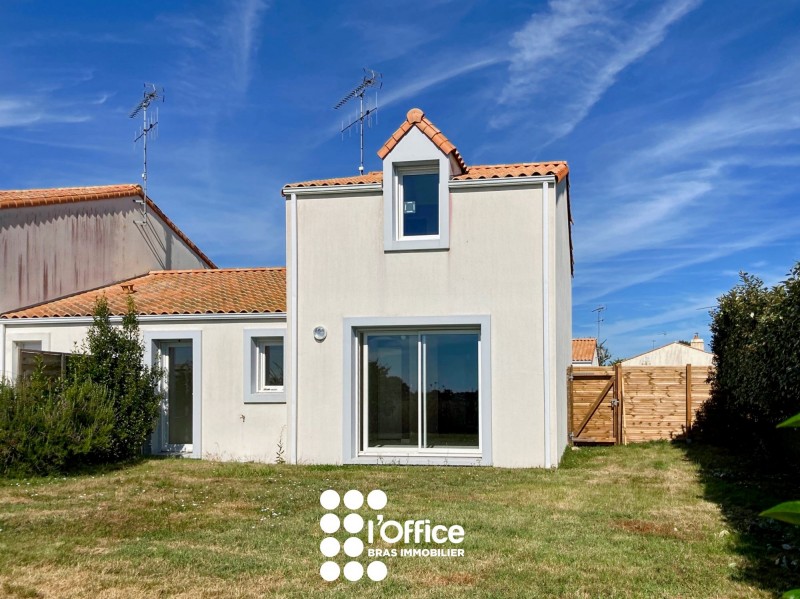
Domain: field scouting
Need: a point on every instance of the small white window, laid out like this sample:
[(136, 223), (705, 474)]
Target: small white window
[(264, 365), (269, 376), (418, 203)]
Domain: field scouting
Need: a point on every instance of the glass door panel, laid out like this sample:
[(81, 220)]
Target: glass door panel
[(176, 418), (392, 390), (451, 390)]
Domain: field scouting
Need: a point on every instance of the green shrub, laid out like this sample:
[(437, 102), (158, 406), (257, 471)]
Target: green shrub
[(114, 357), (50, 425), (755, 337)]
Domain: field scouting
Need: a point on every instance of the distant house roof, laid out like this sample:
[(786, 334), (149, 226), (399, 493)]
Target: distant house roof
[(29, 198), (171, 292), (583, 349), (673, 344)]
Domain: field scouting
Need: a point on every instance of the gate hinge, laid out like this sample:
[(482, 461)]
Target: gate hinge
[(614, 402)]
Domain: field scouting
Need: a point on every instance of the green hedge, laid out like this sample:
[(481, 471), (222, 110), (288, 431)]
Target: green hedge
[(755, 336), (49, 425)]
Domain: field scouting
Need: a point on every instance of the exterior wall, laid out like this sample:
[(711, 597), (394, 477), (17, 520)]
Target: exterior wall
[(55, 250), (493, 267), (562, 333), (231, 429), (673, 354)]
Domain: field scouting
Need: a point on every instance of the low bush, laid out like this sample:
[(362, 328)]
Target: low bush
[(50, 425)]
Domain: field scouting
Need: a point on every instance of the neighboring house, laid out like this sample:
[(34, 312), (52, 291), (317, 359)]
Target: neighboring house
[(54, 242), (584, 352), (430, 309), (674, 354), (218, 333)]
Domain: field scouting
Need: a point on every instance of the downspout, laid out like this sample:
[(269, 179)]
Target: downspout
[(293, 327), (546, 319), (3, 374)]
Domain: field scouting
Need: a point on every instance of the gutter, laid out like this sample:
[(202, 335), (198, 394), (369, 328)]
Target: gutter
[(293, 326), (147, 318), (546, 319)]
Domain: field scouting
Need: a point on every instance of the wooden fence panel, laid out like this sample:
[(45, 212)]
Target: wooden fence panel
[(659, 401)]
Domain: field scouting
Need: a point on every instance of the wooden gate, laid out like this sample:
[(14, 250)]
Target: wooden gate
[(616, 404), (595, 405)]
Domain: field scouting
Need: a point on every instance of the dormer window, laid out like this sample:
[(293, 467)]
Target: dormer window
[(418, 202), (418, 162)]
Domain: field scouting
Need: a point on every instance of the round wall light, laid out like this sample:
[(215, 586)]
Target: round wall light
[(320, 333)]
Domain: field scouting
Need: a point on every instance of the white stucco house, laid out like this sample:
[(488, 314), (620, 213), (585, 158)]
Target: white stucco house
[(423, 317), (429, 311), (218, 334), (674, 354)]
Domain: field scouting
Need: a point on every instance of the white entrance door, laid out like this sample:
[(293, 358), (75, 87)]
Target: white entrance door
[(176, 412)]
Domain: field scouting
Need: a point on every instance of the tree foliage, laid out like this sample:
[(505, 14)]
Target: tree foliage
[(755, 337), (49, 425), (114, 357)]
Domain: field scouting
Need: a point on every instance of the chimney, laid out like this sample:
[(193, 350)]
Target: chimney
[(697, 343)]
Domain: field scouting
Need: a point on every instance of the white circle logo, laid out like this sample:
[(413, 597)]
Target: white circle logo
[(377, 571), (329, 571), (329, 523), (353, 499), (353, 571), (353, 547), (353, 523), (376, 499), (329, 499), (330, 547)]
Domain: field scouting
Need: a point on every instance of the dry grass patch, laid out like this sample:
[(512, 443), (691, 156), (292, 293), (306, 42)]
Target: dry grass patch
[(603, 525)]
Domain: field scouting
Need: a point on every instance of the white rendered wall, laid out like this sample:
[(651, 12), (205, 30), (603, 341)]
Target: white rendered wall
[(493, 267), (231, 429)]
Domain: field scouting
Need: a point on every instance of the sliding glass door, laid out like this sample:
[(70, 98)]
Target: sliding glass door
[(420, 390)]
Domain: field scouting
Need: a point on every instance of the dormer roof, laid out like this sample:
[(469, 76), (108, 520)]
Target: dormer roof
[(416, 118)]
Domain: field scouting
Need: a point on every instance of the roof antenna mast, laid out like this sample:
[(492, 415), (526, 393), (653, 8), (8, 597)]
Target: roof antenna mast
[(371, 79), (149, 124)]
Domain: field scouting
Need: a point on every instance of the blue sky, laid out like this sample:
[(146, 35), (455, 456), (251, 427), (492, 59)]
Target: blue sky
[(680, 120)]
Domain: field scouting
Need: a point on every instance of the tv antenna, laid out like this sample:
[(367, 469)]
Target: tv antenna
[(371, 79), (149, 124), (599, 310)]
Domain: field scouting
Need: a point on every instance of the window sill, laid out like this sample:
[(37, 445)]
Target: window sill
[(416, 245), (265, 397)]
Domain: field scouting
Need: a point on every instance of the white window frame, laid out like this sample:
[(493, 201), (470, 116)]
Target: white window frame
[(363, 415), (253, 356), (415, 152), (353, 414), (400, 173), (262, 343), (16, 341)]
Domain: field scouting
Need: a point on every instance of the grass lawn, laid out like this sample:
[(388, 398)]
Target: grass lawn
[(651, 520)]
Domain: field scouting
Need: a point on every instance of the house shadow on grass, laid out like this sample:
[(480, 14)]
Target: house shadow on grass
[(742, 489)]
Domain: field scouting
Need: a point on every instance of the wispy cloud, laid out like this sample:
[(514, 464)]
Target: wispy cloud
[(240, 39), (218, 53), (570, 55), (16, 111)]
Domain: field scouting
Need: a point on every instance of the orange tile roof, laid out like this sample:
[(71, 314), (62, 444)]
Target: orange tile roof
[(484, 171), (164, 292), (583, 349), (26, 198), (416, 118)]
